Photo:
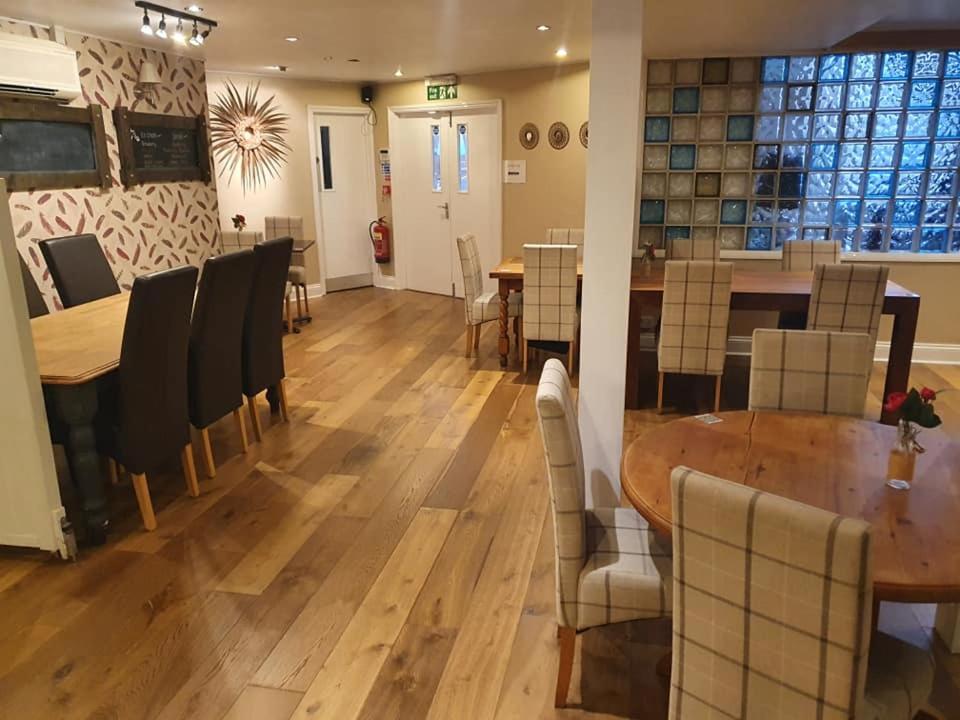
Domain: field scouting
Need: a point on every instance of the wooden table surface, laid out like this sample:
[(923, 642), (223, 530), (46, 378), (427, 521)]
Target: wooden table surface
[(834, 463)]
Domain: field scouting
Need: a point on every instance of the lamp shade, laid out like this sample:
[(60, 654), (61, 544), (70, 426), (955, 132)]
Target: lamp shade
[(148, 74)]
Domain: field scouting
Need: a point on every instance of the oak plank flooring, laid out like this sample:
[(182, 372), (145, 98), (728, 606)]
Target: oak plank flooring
[(288, 583)]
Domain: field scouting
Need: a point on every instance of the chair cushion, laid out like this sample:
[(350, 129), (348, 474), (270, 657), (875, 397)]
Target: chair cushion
[(487, 307), (899, 679), (297, 275), (628, 572)]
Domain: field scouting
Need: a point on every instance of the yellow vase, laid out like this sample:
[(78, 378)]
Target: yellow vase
[(901, 465)]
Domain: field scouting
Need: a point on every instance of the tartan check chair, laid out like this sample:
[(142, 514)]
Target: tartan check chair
[(694, 248), (292, 227), (566, 236), (848, 298), (772, 611), (694, 321), (799, 255), (479, 306), (610, 566), (810, 371), (550, 313)]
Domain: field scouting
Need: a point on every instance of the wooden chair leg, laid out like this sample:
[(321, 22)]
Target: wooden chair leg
[(660, 393), (208, 463), (289, 313), (112, 471), (284, 410), (568, 644), (255, 418), (143, 500), (190, 470), (716, 394), (299, 304), (306, 301), (526, 355), (469, 348), (241, 429), (476, 339)]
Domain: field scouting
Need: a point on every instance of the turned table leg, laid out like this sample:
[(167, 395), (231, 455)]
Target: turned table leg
[(503, 345), (901, 353)]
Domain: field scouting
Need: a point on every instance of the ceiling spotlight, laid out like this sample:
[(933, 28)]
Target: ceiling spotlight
[(178, 36), (194, 8), (204, 35), (281, 68), (146, 28), (353, 59), (195, 37), (291, 38), (398, 72), (543, 28), (162, 28), (561, 52)]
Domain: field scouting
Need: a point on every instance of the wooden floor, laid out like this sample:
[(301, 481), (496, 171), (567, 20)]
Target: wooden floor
[(386, 554)]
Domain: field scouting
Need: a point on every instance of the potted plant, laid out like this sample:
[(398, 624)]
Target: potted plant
[(648, 257), (914, 410)]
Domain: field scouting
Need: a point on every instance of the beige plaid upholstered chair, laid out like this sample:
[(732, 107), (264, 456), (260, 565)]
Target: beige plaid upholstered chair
[(278, 227), (481, 307), (848, 298), (610, 566), (810, 371), (807, 254), (697, 247), (771, 612), (694, 320), (566, 236), (550, 298)]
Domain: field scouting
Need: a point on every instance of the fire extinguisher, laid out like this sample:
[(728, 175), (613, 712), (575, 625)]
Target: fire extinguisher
[(380, 237)]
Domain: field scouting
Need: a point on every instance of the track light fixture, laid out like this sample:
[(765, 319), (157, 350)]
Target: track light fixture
[(162, 28), (178, 36), (146, 28), (201, 26), (195, 38)]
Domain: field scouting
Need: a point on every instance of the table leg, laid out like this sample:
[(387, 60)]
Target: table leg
[(901, 353), (76, 406), (504, 343), (632, 394), (273, 397)]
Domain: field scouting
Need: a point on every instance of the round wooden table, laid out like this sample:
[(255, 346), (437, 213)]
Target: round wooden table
[(834, 463)]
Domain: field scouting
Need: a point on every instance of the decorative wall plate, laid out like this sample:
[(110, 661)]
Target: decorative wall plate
[(529, 136), (585, 134), (559, 136)]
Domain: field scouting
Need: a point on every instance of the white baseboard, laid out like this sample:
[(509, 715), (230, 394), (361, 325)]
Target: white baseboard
[(929, 353)]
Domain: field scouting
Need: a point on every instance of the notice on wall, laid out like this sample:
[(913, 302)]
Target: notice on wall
[(384, 155), (515, 172)]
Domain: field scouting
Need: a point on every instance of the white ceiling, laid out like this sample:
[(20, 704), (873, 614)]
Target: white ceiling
[(462, 36)]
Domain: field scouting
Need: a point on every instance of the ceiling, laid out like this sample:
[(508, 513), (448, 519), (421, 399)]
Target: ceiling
[(426, 37)]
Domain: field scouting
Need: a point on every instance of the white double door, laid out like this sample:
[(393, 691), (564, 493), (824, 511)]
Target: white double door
[(446, 183)]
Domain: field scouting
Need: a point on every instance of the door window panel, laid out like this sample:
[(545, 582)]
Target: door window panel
[(463, 157), (435, 154), (325, 160)]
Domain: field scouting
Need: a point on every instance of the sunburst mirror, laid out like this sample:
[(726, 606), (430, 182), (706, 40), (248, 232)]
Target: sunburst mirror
[(248, 135)]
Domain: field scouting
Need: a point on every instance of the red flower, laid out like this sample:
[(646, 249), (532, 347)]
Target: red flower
[(928, 395), (895, 401)]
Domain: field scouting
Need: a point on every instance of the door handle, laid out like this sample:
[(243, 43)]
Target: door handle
[(446, 210)]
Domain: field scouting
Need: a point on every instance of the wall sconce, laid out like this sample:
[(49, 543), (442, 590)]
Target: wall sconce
[(147, 82)]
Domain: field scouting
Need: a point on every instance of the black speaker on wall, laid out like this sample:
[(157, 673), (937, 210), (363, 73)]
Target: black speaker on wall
[(366, 94)]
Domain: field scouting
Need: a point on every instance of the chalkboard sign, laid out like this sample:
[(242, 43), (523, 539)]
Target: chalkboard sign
[(161, 148), (43, 145)]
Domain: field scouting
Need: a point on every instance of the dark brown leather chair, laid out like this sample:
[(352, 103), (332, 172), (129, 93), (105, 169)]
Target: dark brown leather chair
[(263, 327), (79, 269), (144, 417), (216, 335), (36, 305)]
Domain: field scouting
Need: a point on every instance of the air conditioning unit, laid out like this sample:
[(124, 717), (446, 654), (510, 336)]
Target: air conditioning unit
[(42, 68)]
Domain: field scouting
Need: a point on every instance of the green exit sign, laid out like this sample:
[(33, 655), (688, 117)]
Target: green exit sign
[(441, 92)]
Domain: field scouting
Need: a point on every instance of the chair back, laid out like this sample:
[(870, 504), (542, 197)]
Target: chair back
[(79, 269), (695, 317), (292, 227), (36, 305), (550, 292), (472, 274), (704, 244), (771, 605), (263, 325), (152, 418), (807, 254), (216, 335), (234, 240), (848, 298), (564, 455), (566, 236)]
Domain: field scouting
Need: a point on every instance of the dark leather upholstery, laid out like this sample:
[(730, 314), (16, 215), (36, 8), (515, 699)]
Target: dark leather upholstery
[(36, 305), (263, 327), (216, 337), (79, 269), (147, 420)]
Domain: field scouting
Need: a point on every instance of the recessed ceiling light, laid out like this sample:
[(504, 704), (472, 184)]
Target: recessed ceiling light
[(291, 38), (561, 52), (281, 68), (194, 8), (543, 28), (398, 72)]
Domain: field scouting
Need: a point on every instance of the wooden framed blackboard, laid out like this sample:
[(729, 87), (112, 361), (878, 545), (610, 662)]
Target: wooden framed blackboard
[(45, 146), (161, 148)]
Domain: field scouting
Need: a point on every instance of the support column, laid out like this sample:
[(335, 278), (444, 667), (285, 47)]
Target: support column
[(616, 73)]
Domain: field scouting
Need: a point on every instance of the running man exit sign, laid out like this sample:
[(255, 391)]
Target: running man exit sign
[(441, 92)]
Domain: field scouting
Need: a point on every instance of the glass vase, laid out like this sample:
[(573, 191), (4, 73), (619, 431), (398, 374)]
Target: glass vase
[(902, 463)]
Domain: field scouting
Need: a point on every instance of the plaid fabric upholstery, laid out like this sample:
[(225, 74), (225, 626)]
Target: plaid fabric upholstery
[(807, 254), (609, 566), (706, 248), (694, 317), (234, 240), (550, 292), (771, 605), (810, 371), (278, 227), (478, 306), (566, 236), (848, 298)]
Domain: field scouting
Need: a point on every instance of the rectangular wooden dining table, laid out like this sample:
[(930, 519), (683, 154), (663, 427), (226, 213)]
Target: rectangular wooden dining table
[(752, 290)]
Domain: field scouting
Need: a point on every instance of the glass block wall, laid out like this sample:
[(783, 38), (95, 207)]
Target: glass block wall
[(861, 147)]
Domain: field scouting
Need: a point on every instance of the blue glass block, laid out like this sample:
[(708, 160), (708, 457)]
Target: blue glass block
[(686, 100), (864, 66), (846, 212), (733, 212), (935, 212), (773, 70), (923, 93), (794, 157), (739, 128), (826, 126), (906, 213), (914, 155), (847, 238), (761, 213), (833, 68), (820, 185), (883, 155), (800, 97), (945, 155), (909, 184), (886, 124), (764, 184), (676, 232), (771, 99), (951, 94), (766, 157), (768, 127), (651, 212), (803, 69), (788, 212), (895, 66), (948, 124), (918, 124), (852, 155), (792, 184), (759, 238), (926, 64), (955, 242), (875, 212), (860, 96), (656, 130), (823, 156), (933, 240), (785, 235), (816, 234), (940, 183), (796, 127), (682, 157), (856, 126), (848, 184), (871, 239), (830, 96), (879, 185), (952, 67), (901, 240), (816, 212), (890, 95)]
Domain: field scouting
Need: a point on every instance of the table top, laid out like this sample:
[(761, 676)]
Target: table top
[(830, 462), (81, 343)]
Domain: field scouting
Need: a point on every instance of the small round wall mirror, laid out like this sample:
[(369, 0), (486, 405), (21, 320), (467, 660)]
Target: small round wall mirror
[(529, 136), (585, 134), (559, 136)]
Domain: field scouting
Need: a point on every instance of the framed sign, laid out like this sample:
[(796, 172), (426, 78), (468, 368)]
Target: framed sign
[(161, 148)]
